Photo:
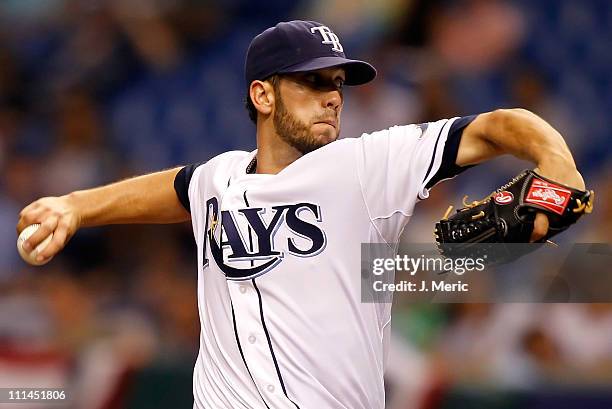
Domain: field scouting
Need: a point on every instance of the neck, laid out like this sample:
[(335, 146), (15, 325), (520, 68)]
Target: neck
[(273, 153)]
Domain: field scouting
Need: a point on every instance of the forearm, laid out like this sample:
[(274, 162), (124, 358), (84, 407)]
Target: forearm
[(522, 134), (144, 199), (527, 136)]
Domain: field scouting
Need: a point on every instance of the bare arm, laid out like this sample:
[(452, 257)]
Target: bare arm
[(527, 136), (143, 199)]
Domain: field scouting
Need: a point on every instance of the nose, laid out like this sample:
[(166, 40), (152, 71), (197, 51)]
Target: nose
[(332, 99)]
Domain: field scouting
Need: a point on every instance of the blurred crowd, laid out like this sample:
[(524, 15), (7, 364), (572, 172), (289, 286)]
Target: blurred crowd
[(92, 91)]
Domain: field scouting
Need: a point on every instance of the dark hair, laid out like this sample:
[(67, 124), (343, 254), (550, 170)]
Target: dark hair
[(248, 103)]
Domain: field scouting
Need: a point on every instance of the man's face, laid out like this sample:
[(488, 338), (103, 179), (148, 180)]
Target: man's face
[(307, 108)]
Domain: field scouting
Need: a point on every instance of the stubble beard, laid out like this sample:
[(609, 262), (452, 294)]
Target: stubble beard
[(293, 131)]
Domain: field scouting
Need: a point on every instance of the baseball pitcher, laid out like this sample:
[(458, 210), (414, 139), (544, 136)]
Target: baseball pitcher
[(279, 229)]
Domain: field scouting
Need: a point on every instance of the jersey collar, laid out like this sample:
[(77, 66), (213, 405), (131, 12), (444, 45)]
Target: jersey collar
[(252, 166)]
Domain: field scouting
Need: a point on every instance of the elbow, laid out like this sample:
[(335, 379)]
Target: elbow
[(508, 119), (528, 132), (518, 122)]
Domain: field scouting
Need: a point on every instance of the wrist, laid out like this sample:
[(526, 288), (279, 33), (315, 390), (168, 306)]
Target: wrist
[(74, 201), (556, 159), (561, 169)]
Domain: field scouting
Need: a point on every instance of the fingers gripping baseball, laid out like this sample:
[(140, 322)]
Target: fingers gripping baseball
[(56, 216)]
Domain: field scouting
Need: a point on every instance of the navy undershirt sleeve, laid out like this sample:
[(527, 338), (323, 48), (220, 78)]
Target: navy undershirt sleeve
[(181, 184), (448, 167)]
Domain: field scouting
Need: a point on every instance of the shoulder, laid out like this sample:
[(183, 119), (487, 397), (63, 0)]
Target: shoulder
[(228, 158), (410, 131), (225, 161), (222, 164)]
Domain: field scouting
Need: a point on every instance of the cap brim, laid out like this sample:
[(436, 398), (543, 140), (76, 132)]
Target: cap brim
[(357, 72)]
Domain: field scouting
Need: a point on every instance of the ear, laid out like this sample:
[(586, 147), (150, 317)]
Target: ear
[(262, 96)]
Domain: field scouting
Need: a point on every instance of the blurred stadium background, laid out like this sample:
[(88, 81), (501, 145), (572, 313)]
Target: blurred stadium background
[(92, 91)]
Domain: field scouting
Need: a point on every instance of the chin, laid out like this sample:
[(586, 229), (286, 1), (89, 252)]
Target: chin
[(326, 137)]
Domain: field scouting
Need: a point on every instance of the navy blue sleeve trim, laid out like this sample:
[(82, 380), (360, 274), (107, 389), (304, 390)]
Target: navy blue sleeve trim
[(448, 167), (181, 184)]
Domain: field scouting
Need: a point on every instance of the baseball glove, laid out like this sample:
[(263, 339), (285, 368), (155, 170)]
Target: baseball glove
[(507, 216)]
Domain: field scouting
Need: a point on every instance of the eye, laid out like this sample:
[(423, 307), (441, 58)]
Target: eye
[(340, 83), (312, 78)]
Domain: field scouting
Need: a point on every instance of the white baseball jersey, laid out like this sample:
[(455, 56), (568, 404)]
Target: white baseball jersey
[(282, 321)]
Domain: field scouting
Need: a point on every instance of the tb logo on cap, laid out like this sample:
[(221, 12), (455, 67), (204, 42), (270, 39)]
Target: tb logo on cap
[(328, 37)]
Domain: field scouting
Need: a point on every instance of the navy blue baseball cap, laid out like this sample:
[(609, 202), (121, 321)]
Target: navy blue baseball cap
[(298, 46)]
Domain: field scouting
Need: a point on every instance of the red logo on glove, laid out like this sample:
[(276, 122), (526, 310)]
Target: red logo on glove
[(548, 195), (503, 197)]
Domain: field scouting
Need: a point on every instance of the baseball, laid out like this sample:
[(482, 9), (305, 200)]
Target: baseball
[(30, 258)]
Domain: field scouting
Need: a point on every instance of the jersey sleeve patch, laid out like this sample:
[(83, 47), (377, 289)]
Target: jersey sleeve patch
[(181, 184), (448, 167)]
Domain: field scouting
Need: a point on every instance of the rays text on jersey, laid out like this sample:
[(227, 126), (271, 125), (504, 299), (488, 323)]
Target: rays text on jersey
[(242, 241)]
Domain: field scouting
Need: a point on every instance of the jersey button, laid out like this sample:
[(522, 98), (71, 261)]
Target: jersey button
[(243, 289), (270, 388), (252, 339)]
